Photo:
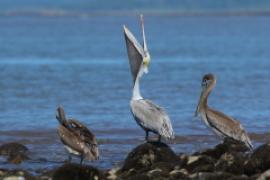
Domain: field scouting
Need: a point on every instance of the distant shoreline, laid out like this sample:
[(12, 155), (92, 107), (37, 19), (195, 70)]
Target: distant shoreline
[(62, 13)]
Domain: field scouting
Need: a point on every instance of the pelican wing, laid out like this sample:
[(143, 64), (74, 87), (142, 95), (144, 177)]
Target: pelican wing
[(83, 132), (70, 138), (76, 135), (152, 117), (227, 127), (135, 52)]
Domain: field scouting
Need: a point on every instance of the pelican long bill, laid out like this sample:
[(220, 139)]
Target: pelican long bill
[(135, 52)]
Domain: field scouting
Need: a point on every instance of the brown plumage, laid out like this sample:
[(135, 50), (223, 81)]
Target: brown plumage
[(222, 125), (76, 137)]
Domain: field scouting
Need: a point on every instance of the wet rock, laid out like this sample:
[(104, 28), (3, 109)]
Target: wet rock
[(183, 158), (264, 176), (15, 175), (165, 167), (228, 145), (76, 171), (200, 163), (232, 162), (153, 173), (113, 173), (259, 160), (45, 174), (12, 148), (178, 174), (156, 172), (15, 152), (146, 155), (17, 158), (241, 177), (210, 176), (138, 177), (152, 160)]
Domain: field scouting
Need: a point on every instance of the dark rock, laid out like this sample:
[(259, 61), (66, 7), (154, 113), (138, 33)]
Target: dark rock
[(45, 174), (265, 175), (254, 176), (200, 163), (12, 148), (232, 162), (15, 174), (178, 174), (156, 172), (146, 155), (76, 171), (130, 173), (159, 171), (147, 175), (166, 167), (228, 145), (183, 158), (138, 177), (211, 176), (259, 160), (17, 158), (152, 160), (15, 152), (113, 173), (241, 177)]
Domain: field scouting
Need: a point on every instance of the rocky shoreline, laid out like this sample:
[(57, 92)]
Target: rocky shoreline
[(152, 160)]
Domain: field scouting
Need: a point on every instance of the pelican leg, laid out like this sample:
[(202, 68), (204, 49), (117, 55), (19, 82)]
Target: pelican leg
[(146, 135), (81, 160), (159, 138), (69, 158)]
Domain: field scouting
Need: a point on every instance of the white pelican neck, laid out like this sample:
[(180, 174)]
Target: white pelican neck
[(136, 89)]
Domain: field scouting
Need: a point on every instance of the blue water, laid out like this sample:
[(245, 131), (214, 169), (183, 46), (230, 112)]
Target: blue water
[(190, 6), (81, 63)]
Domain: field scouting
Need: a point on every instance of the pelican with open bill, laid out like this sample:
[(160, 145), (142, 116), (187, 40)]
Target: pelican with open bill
[(76, 137), (148, 115), (222, 125)]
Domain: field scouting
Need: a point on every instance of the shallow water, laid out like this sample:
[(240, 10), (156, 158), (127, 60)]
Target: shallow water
[(81, 63)]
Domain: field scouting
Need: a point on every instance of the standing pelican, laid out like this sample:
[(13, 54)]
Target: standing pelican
[(76, 137), (222, 125), (147, 114)]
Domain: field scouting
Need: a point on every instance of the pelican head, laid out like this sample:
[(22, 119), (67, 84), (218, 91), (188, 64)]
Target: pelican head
[(60, 114), (208, 83), (146, 62), (139, 57)]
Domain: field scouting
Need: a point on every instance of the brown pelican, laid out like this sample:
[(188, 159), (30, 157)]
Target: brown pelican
[(222, 125), (148, 115), (76, 137)]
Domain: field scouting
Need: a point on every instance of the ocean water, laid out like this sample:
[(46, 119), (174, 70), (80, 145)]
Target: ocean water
[(81, 63)]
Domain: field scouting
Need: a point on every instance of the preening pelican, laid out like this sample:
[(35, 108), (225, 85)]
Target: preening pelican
[(222, 125), (76, 137), (147, 114)]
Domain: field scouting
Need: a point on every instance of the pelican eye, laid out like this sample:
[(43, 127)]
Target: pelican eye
[(145, 62), (205, 82)]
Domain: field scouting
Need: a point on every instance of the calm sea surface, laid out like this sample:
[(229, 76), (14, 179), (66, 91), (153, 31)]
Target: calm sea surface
[(81, 63)]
